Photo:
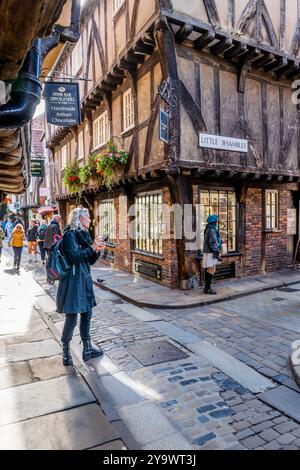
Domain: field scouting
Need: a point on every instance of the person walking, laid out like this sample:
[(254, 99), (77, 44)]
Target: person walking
[(41, 240), (32, 234), (53, 231), (16, 240), (9, 228), (211, 252), (2, 235), (75, 292)]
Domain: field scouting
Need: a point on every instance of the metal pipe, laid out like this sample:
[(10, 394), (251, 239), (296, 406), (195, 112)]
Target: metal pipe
[(26, 92)]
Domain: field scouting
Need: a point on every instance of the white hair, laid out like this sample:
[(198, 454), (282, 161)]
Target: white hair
[(74, 217)]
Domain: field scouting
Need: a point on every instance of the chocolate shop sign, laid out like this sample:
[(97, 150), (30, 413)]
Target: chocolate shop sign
[(62, 103), (218, 142)]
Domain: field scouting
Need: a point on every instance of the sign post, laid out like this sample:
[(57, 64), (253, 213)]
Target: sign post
[(37, 168), (62, 104)]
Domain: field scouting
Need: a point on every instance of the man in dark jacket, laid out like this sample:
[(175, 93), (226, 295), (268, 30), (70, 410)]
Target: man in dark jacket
[(52, 231), (211, 252), (75, 292)]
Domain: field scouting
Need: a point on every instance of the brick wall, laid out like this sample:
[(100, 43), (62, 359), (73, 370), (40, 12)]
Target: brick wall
[(124, 257), (253, 231), (277, 242)]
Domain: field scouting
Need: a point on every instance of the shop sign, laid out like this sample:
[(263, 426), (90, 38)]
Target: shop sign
[(218, 142), (37, 168), (292, 221), (164, 126), (62, 104)]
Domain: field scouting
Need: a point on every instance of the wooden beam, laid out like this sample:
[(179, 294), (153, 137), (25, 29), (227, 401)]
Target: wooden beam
[(263, 61), (125, 65), (184, 32), (143, 48), (235, 51), (293, 71), (277, 65), (204, 40), (222, 46)]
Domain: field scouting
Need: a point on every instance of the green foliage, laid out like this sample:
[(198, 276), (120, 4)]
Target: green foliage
[(72, 178), (108, 161)]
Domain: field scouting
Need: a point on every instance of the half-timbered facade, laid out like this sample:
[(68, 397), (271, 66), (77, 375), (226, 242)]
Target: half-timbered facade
[(218, 68)]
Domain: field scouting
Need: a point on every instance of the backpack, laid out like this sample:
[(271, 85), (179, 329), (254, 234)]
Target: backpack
[(58, 266)]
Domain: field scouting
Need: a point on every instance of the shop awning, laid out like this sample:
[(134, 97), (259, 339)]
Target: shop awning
[(46, 209)]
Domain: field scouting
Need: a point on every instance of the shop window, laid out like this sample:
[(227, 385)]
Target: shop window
[(101, 132), (272, 210), (223, 204), (148, 223), (107, 220), (128, 110)]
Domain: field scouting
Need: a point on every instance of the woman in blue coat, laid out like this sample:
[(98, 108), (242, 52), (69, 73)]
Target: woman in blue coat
[(75, 292)]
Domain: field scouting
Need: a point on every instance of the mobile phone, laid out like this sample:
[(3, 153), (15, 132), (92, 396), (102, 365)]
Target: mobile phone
[(105, 238)]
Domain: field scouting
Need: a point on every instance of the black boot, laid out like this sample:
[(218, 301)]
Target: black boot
[(89, 352), (67, 358), (208, 281)]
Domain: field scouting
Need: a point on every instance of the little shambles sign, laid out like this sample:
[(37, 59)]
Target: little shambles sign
[(62, 103), (218, 142)]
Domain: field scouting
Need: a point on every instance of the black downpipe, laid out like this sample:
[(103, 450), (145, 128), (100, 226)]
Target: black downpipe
[(26, 92)]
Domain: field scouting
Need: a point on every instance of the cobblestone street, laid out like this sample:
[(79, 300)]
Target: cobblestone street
[(208, 405)]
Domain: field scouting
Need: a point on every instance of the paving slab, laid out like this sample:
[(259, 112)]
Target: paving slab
[(237, 370), (120, 389), (30, 337), (283, 399), (174, 332), (174, 442), (49, 368), (25, 351), (14, 374), (114, 445), (15, 327), (45, 303), (76, 429), (138, 313), (40, 398), (153, 427)]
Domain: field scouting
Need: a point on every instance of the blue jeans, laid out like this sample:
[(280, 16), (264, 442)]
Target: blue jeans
[(17, 255), (70, 324)]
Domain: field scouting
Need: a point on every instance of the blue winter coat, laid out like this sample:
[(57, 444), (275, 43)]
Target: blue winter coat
[(75, 292)]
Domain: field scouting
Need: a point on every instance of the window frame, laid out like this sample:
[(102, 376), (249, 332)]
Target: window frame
[(269, 217), (128, 118), (97, 124), (202, 219), (81, 155), (146, 220), (111, 222), (77, 57)]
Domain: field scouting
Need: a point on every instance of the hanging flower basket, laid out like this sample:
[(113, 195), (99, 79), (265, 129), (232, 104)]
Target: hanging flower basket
[(88, 173), (108, 162), (71, 178)]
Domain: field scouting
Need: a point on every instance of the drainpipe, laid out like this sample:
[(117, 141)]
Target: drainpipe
[(26, 92), (27, 89)]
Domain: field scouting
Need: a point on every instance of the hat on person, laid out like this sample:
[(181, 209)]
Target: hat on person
[(212, 219)]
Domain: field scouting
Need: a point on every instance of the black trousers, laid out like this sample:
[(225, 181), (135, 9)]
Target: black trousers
[(208, 279), (70, 324), (17, 255), (42, 249)]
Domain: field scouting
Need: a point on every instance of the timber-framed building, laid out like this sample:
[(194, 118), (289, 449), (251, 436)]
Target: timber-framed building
[(226, 68)]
